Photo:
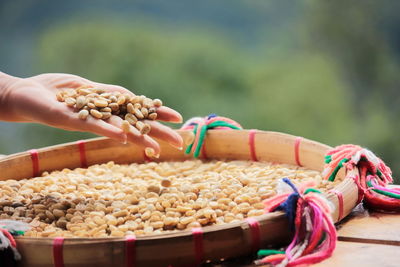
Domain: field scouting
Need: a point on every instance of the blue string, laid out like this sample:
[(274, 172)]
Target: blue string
[(212, 115), (290, 205), (287, 180)]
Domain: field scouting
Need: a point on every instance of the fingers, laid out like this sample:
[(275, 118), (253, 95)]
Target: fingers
[(165, 133), (163, 113), (134, 136), (60, 80), (112, 128), (169, 115), (112, 88), (70, 121), (101, 127)]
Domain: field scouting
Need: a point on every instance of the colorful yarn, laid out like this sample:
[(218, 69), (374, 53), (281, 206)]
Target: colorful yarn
[(130, 251), (9, 229), (373, 178), (255, 233), (297, 143), (307, 210), (82, 153), (198, 245), (252, 145), (201, 125), (308, 213), (340, 203), (35, 162), (58, 255)]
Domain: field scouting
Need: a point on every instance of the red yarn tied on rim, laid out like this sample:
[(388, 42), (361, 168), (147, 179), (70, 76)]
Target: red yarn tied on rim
[(201, 125), (9, 229), (374, 175), (309, 216)]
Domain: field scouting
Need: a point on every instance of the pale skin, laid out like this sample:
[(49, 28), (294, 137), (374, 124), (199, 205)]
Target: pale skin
[(33, 100)]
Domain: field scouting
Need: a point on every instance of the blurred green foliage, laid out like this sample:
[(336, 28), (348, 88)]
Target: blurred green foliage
[(202, 73), (325, 70)]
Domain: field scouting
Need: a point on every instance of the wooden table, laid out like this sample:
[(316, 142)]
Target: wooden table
[(364, 239)]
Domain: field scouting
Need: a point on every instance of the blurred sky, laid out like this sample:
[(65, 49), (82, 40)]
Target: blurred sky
[(326, 70)]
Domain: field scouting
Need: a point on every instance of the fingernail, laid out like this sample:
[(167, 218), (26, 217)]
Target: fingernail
[(179, 120), (179, 147), (151, 153)]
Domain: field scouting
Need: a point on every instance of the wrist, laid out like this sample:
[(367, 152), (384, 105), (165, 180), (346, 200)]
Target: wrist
[(6, 82), (5, 79)]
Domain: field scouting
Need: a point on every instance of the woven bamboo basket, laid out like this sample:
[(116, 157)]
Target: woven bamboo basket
[(176, 249)]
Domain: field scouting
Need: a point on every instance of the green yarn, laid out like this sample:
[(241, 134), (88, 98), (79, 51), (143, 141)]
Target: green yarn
[(201, 141), (267, 252), (191, 145), (17, 233), (337, 168), (323, 237), (222, 124), (308, 190), (328, 158), (385, 193), (14, 232), (20, 232), (203, 133)]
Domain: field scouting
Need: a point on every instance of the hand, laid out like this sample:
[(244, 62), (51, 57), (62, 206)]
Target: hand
[(34, 100)]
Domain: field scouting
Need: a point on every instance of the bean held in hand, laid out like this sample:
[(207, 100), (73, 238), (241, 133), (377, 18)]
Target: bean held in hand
[(96, 102)]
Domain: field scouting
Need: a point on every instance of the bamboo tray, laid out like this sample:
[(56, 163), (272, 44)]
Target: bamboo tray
[(176, 249)]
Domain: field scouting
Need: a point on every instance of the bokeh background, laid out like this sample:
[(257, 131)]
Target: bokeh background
[(325, 70)]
